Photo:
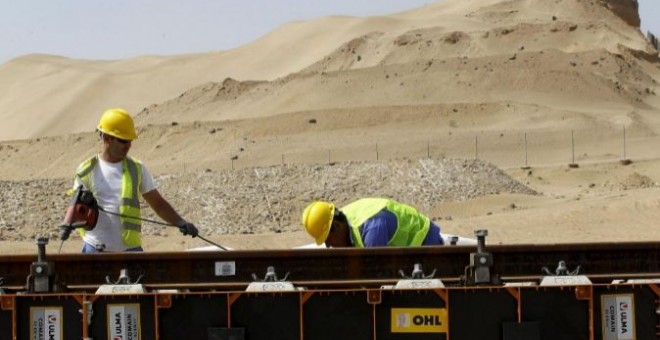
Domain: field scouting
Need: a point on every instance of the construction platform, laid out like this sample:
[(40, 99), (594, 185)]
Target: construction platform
[(567, 291)]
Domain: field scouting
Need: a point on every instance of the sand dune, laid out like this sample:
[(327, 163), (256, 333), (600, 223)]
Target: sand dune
[(515, 83), (70, 93)]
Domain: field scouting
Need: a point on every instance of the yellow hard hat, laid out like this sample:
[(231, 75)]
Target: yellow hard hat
[(117, 123), (317, 219)]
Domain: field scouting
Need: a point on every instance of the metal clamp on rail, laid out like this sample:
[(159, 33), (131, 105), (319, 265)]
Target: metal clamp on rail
[(479, 272), (564, 277), (42, 278), (417, 280), (123, 285), (270, 283)]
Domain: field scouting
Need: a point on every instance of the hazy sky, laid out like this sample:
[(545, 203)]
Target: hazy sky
[(118, 29)]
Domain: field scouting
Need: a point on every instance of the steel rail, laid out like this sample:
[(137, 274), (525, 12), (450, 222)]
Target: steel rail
[(329, 284), (609, 260)]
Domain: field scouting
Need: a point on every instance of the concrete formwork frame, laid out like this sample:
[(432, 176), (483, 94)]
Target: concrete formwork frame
[(598, 311)]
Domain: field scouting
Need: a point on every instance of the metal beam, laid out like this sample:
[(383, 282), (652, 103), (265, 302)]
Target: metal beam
[(598, 259)]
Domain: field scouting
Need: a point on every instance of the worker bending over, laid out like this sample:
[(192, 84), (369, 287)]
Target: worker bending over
[(369, 222)]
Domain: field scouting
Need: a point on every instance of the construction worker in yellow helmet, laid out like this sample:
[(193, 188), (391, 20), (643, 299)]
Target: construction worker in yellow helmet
[(115, 180), (369, 222)]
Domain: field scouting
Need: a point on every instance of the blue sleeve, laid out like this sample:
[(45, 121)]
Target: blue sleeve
[(378, 230), (433, 237)]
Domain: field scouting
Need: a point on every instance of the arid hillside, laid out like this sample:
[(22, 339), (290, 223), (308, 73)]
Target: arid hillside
[(522, 87), (452, 52), (453, 69)]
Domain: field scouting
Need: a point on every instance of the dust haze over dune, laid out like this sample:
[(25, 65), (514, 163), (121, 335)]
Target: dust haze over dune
[(431, 82)]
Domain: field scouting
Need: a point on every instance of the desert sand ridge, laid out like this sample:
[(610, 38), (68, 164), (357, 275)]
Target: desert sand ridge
[(522, 83), (73, 91)]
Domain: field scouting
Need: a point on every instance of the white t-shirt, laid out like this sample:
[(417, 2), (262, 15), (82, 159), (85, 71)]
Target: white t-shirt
[(106, 181)]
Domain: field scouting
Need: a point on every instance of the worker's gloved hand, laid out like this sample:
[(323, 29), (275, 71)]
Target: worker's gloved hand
[(188, 228)]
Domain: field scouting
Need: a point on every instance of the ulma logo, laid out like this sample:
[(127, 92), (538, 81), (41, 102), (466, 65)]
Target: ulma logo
[(46, 323), (419, 320), (123, 322), (52, 326), (623, 317), (618, 316)]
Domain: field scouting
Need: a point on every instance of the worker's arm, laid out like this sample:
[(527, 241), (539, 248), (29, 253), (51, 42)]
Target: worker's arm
[(163, 209)]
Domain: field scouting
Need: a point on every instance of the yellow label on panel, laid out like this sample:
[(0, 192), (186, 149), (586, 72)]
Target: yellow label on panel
[(419, 320)]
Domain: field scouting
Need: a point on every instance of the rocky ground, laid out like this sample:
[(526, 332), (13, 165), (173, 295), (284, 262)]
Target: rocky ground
[(267, 199)]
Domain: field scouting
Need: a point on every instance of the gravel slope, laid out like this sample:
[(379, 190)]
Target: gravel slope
[(267, 199)]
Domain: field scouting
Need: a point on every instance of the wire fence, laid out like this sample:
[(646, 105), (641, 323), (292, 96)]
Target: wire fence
[(501, 148)]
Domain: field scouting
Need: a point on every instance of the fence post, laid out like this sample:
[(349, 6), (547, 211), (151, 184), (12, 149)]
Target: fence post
[(624, 160), (526, 164), (476, 147), (377, 152), (624, 142), (573, 164)]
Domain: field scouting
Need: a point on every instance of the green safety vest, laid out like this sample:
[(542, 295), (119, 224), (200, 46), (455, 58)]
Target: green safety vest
[(412, 226), (129, 207)]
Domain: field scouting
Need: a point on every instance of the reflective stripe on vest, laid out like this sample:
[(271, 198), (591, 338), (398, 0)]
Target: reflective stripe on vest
[(130, 203), (129, 206), (412, 226)]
